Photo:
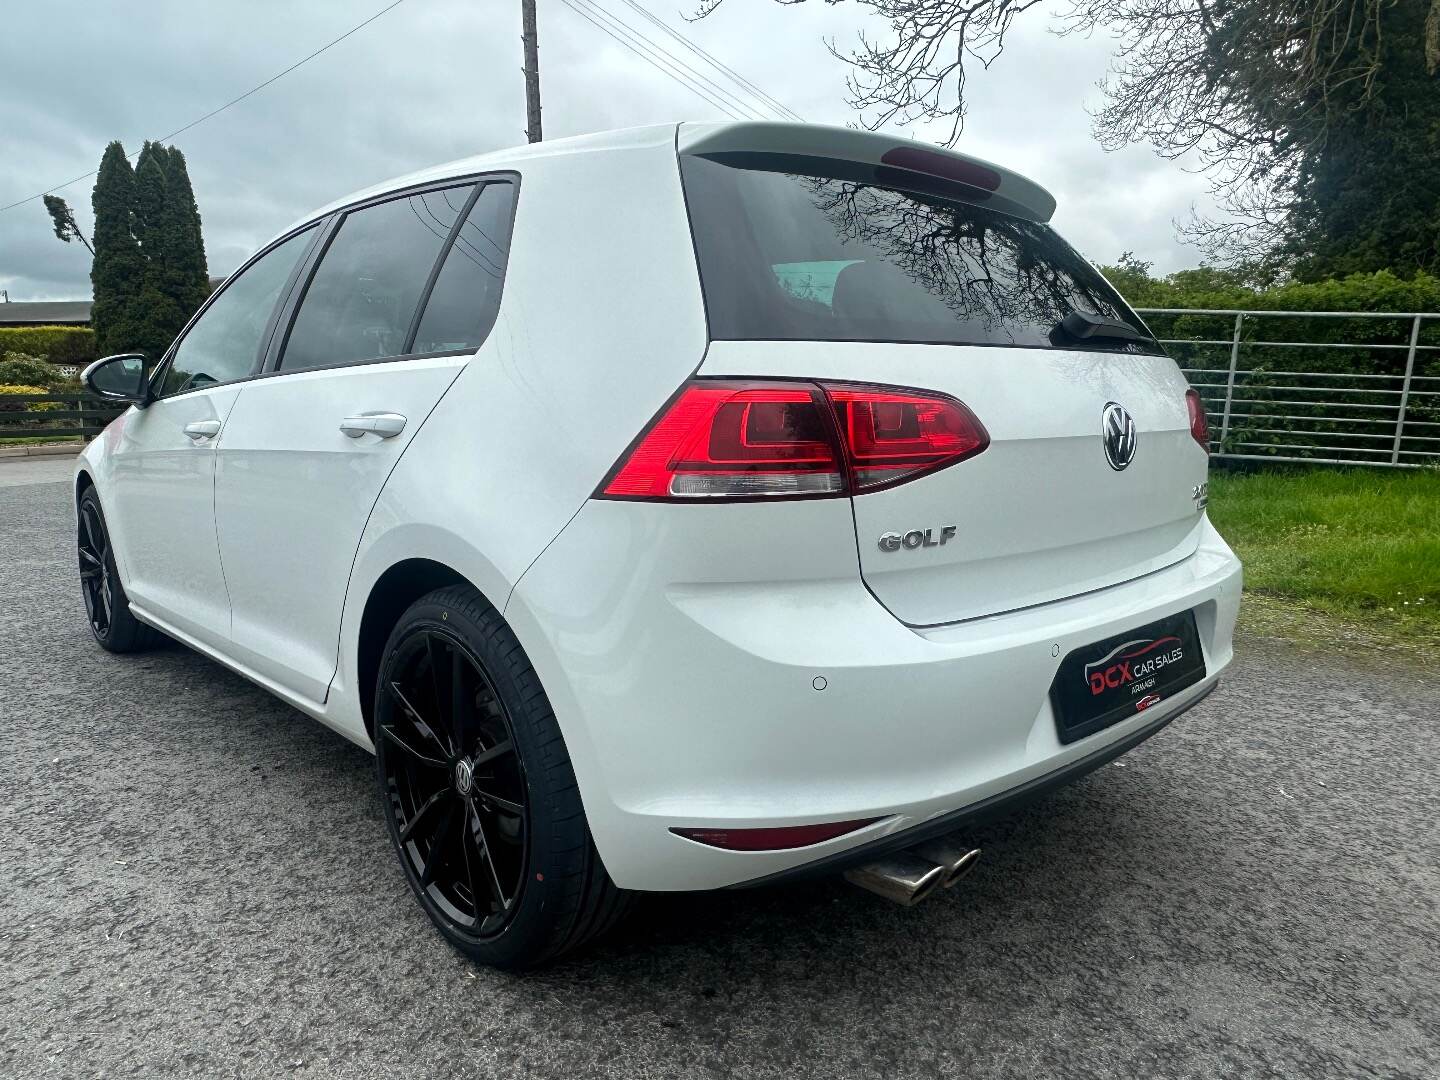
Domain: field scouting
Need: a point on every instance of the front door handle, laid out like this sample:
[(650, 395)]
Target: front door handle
[(385, 424), (202, 429)]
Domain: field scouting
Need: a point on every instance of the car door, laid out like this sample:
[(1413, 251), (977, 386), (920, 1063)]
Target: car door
[(161, 492), (400, 298)]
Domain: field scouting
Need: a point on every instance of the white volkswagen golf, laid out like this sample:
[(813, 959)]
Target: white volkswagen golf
[(679, 508)]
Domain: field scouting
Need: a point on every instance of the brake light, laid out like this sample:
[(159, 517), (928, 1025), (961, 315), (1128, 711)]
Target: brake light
[(894, 435), (1199, 423), (748, 439), (734, 439)]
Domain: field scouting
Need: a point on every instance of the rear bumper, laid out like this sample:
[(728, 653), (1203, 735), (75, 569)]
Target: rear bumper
[(689, 702), (996, 806)]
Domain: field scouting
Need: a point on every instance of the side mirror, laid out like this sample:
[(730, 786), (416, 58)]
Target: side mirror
[(119, 378)]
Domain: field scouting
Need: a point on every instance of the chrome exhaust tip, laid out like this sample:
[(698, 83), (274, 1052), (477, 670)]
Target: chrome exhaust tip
[(957, 859), (903, 878)]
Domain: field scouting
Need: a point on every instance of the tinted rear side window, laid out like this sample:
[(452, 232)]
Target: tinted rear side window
[(466, 296), (362, 298), (793, 256)]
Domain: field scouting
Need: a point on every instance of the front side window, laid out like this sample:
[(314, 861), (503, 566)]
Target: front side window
[(362, 298), (225, 342), (792, 256)]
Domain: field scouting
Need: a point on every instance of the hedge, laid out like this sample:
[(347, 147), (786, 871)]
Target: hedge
[(1204, 343), (30, 371), (8, 390), (58, 344), (1207, 287)]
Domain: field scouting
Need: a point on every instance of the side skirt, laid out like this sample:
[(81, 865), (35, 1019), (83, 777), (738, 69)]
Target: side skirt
[(313, 709)]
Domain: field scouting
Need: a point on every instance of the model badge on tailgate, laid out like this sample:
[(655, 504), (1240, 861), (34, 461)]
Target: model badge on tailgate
[(916, 538)]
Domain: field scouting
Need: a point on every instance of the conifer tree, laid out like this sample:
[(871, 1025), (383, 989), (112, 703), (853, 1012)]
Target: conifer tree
[(118, 270), (149, 271), (189, 273), (163, 315)]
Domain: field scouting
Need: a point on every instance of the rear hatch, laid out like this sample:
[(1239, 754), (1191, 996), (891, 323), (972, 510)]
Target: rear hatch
[(844, 270)]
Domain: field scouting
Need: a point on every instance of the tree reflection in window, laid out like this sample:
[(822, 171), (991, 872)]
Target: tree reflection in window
[(820, 258)]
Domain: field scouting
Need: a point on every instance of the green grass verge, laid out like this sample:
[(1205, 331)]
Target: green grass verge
[(37, 440), (1362, 546)]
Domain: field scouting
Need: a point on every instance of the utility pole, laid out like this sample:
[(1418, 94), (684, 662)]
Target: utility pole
[(532, 70)]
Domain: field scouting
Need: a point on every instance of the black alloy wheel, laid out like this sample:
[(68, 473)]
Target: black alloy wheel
[(454, 782), (95, 576), (106, 606), (479, 795)]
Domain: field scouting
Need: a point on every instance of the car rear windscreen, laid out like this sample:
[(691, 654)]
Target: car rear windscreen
[(796, 256)]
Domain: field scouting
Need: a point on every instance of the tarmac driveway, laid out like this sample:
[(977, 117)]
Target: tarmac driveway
[(195, 880)]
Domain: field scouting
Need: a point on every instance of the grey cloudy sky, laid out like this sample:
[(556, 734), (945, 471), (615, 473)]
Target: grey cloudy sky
[(434, 80)]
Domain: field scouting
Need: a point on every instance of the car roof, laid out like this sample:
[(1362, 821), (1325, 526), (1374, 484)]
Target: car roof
[(513, 157), (986, 182)]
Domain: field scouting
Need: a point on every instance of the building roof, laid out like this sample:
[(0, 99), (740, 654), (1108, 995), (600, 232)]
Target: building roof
[(31, 313)]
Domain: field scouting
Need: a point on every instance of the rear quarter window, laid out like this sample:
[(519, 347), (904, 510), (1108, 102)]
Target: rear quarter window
[(466, 295), (362, 298)]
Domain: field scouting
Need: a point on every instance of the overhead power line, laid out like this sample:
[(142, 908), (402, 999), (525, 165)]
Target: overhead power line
[(216, 112), (719, 65), (663, 60), (657, 56)]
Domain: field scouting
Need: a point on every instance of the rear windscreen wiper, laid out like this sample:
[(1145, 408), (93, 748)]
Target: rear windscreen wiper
[(1083, 326)]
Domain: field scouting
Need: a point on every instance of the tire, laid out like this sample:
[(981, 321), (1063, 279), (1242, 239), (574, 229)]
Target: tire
[(479, 795), (106, 605)]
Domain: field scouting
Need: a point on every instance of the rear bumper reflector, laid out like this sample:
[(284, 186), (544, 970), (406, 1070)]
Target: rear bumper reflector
[(778, 839)]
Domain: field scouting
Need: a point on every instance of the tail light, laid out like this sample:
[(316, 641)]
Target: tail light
[(793, 439), (893, 435), (729, 439), (1199, 423)]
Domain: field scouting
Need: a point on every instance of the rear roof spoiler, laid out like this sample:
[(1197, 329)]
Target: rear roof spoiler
[(895, 162)]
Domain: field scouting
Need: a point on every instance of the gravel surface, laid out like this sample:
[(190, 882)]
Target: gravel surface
[(195, 881)]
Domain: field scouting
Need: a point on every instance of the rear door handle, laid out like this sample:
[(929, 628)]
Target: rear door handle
[(202, 429), (385, 424)]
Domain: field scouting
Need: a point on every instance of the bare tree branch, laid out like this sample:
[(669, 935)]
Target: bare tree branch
[(1248, 88)]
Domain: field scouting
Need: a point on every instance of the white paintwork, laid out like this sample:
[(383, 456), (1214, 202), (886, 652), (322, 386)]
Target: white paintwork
[(687, 677), (292, 495), (1040, 514), (679, 644), (167, 552)]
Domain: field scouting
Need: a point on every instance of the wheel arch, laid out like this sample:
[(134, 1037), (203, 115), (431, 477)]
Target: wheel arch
[(83, 483), (400, 567), (86, 474), (394, 590)]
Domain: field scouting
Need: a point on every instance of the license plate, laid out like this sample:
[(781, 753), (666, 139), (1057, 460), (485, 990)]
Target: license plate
[(1101, 684)]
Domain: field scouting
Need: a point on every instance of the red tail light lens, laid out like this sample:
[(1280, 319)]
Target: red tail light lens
[(894, 435), (1199, 423), (791, 439), (730, 439)]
